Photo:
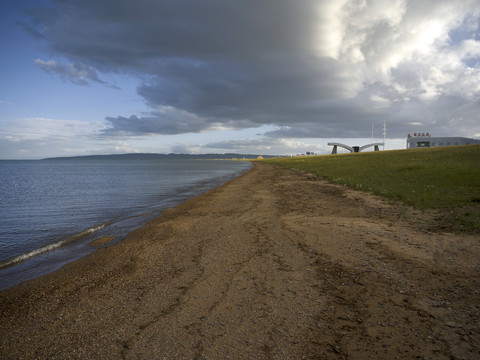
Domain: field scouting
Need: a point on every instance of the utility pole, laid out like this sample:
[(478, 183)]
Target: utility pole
[(372, 135), (384, 133)]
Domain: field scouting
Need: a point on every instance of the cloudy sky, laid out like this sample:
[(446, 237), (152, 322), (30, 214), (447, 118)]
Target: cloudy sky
[(85, 77)]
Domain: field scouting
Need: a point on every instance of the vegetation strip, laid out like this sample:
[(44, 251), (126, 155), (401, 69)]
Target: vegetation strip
[(444, 178)]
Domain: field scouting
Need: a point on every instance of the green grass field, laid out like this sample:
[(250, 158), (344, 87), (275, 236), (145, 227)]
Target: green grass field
[(446, 178)]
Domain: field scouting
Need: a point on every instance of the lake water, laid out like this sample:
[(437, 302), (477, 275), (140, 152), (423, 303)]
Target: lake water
[(51, 209)]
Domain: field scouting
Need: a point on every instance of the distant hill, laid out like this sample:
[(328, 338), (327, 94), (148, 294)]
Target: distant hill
[(140, 156)]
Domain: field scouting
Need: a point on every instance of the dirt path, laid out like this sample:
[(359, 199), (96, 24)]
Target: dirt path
[(274, 265)]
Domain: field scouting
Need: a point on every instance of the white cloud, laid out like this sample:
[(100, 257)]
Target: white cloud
[(187, 149), (380, 102), (329, 29), (75, 73), (46, 129), (271, 146), (40, 137)]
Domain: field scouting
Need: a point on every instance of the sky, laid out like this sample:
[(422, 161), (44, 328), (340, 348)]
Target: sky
[(82, 77)]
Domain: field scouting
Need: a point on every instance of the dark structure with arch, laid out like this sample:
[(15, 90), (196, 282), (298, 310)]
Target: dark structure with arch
[(355, 148)]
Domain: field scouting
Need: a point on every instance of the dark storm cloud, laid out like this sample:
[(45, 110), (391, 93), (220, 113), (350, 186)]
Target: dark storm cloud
[(314, 68), (142, 34), (265, 92), (165, 122)]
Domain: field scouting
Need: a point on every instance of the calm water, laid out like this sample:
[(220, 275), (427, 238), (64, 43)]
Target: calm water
[(51, 210)]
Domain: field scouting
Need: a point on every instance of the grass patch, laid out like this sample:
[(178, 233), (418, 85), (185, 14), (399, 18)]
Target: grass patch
[(445, 178)]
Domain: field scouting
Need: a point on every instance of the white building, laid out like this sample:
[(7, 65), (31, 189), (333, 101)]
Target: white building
[(421, 140)]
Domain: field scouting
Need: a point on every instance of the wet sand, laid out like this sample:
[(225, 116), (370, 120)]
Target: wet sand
[(275, 264)]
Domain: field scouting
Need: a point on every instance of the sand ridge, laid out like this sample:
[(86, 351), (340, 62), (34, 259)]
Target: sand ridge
[(275, 264)]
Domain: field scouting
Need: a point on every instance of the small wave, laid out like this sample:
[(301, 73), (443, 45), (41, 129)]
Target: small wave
[(19, 258)]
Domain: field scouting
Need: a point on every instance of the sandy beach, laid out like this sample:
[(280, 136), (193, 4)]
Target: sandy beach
[(275, 264)]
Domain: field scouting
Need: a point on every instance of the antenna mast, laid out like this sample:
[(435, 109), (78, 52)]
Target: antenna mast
[(384, 133)]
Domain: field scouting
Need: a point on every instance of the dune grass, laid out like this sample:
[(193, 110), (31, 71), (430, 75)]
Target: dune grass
[(446, 178)]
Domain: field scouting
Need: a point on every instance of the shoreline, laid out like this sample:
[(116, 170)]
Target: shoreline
[(272, 264), (55, 248)]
